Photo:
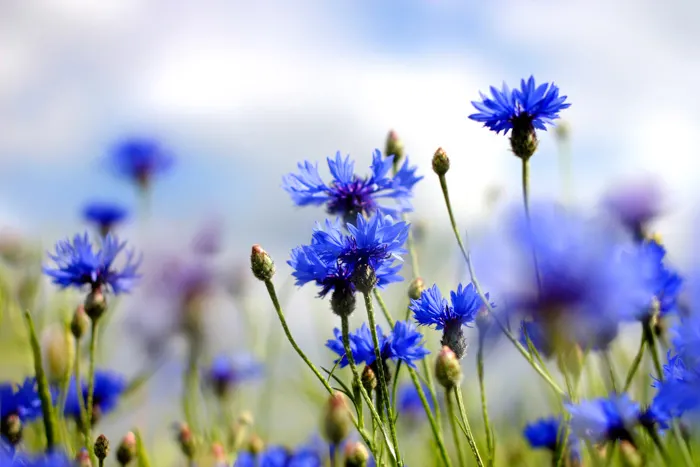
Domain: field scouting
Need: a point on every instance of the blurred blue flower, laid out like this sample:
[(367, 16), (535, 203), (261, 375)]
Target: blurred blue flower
[(431, 309), (529, 106), (104, 215), (20, 399), (348, 194), (109, 387), (273, 456), (538, 338), (50, 459), (545, 432), (227, 372), (605, 419), (634, 204), (409, 402), (140, 160), (78, 264), (333, 256), (403, 344)]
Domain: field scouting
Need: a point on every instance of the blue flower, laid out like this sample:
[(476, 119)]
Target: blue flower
[(20, 399), (605, 419), (109, 387), (635, 204), (226, 372), (431, 309), (104, 215), (403, 344), (545, 433), (529, 106), (349, 194), (78, 264), (50, 459), (333, 256), (273, 456), (409, 402), (538, 338), (139, 160)]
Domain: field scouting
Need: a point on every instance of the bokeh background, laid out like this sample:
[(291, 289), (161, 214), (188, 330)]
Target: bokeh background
[(242, 91)]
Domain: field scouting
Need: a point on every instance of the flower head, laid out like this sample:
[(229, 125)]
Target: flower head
[(349, 194), (140, 160), (104, 215), (409, 402), (78, 264), (226, 372), (109, 387), (635, 204), (55, 458), (545, 433), (20, 399), (605, 419), (530, 106), (431, 309)]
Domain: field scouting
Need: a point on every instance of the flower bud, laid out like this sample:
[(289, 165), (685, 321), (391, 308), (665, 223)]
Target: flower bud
[(441, 163), (82, 459), (364, 278), (58, 349), (261, 264), (356, 455), (11, 429), (394, 147), (80, 323), (186, 440), (218, 453), (448, 371), (127, 449), (336, 422), (416, 288), (95, 304), (343, 301), (255, 444), (369, 379), (101, 448), (523, 138), (483, 320), (630, 455)]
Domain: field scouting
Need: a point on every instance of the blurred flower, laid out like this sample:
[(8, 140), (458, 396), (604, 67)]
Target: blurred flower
[(104, 215), (538, 338), (208, 241), (545, 433), (348, 194), (409, 403), (273, 456), (58, 351), (109, 387), (333, 256), (49, 459), (527, 106), (140, 160), (20, 399), (635, 204), (226, 372), (77, 264), (605, 419)]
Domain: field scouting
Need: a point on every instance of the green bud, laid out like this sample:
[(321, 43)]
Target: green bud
[(80, 323), (441, 163), (58, 351), (186, 440), (356, 455), (82, 459), (261, 264), (369, 379), (101, 447), (11, 429), (256, 445), (394, 147), (416, 288), (95, 304), (448, 371), (127, 449), (336, 420)]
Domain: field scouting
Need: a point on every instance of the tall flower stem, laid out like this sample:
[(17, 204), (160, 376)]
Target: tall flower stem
[(635, 363), (470, 437), (484, 405), (356, 380), (81, 401), (49, 417), (525, 172), (190, 390), (412, 250), (91, 378), (451, 415), (467, 258), (382, 383)]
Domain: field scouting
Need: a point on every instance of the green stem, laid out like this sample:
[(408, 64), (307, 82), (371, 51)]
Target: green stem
[(526, 185), (635, 363), (356, 379), (190, 393), (470, 437), (412, 253), (434, 423), (141, 455), (91, 381), (451, 415), (382, 383), (484, 405), (81, 403), (47, 410), (659, 445), (472, 273), (382, 305), (611, 370)]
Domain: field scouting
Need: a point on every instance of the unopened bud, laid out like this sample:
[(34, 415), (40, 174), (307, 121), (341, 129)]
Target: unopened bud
[(245, 418), (82, 459), (58, 349), (261, 264), (441, 163), (218, 452), (448, 371), (483, 320), (11, 429), (394, 147), (80, 323), (630, 455), (101, 447), (343, 301), (562, 131), (416, 288), (356, 455), (186, 440), (369, 379), (95, 304), (255, 444), (336, 421), (364, 278), (127, 449)]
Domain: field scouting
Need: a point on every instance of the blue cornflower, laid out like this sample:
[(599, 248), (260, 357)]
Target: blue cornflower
[(226, 372), (50, 459), (431, 309), (545, 434), (538, 338), (273, 456), (104, 215), (403, 344), (605, 419), (529, 106), (78, 264), (109, 387), (635, 204), (349, 194), (409, 402), (20, 399), (139, 160), (333, 255)]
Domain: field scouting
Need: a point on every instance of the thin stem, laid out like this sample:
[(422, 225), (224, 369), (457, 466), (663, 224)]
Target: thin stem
[(356, 379), (382, 383), (611, 370), (470, 437), (141, 454), (49, 416), (526, 185), (484, 405), (635, 363), (81, 402), (91, 379), (412, 253), (384, 308), (472, 274), (190, 393), (451, 415), (659, 445), (434, 423)]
